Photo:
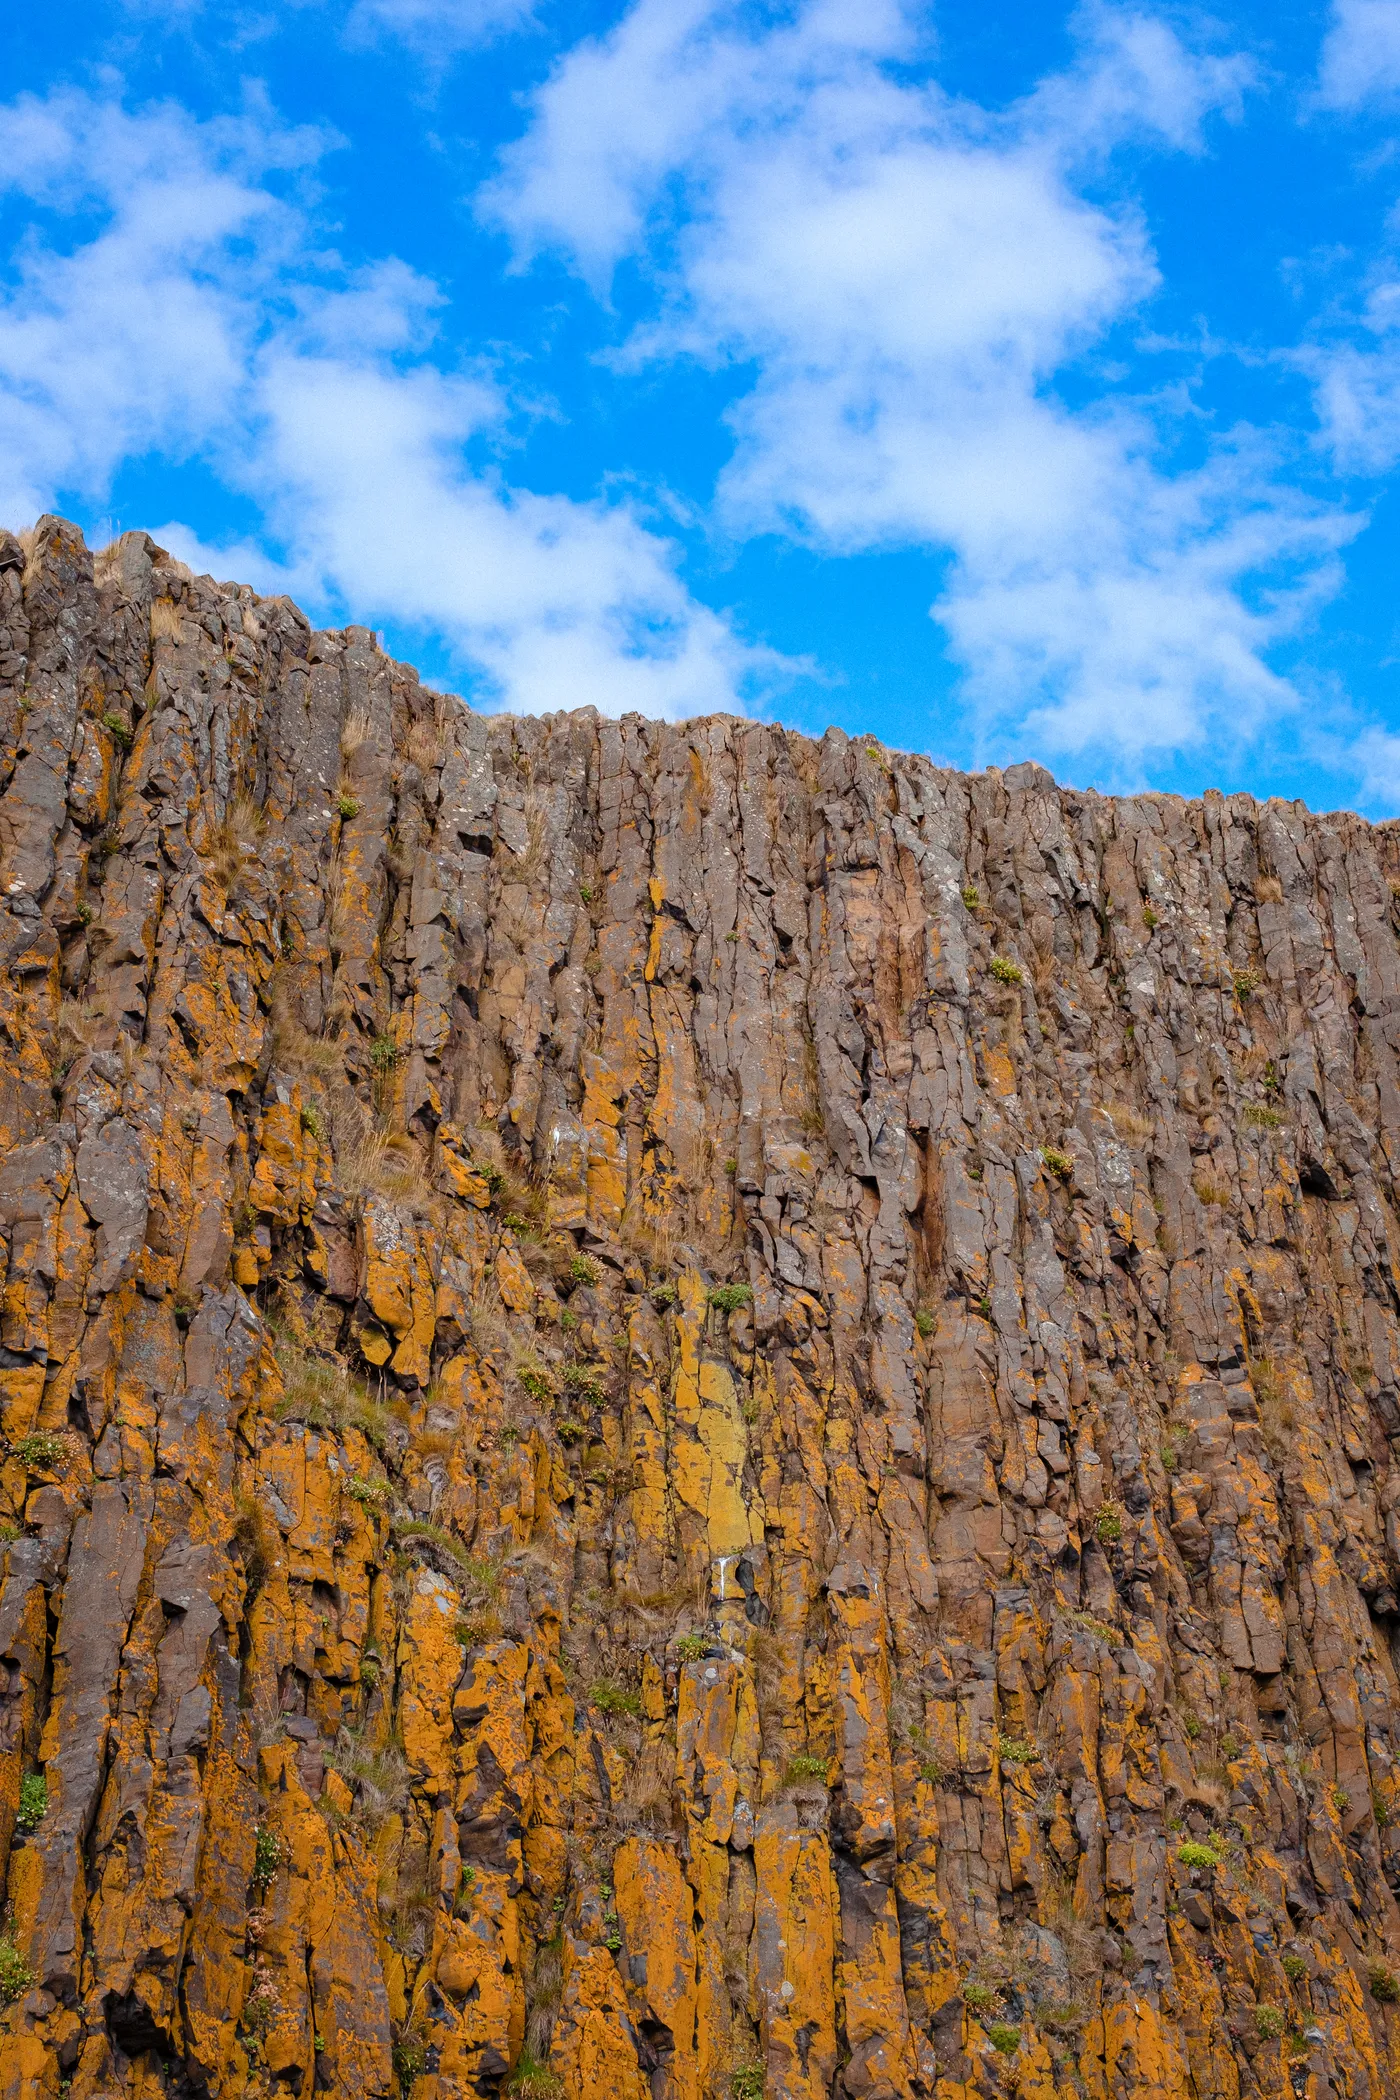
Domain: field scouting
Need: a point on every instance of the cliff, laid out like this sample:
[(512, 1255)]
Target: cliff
[(684, 1413)]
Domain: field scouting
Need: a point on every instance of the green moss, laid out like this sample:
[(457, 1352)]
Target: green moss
[(728, 1297), (346, 806), (1382, 1983), (805, 1766), (33, 1801), (1270, 2022), (1108, 1525), (979, 1997), (1192, 1854), (613, 1698), (1004, 2038), (1294, 1967), (1056, 1162), (16, 1976), (119, 732), (925, 1323), (970, 896), (583, 1271), (691, 1646), (1006, 971)]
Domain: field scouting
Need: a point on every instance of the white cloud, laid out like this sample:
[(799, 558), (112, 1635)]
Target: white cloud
[(1360, 54), (438, 28), (183, 307), (907, 275)]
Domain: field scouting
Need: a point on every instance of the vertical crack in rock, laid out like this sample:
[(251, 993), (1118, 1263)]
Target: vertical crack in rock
[(683, 1414)]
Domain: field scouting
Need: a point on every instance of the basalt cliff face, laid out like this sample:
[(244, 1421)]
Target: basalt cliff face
[(683, 1413)]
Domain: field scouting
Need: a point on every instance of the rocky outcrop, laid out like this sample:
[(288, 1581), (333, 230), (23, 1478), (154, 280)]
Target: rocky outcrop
[(685, 1413)]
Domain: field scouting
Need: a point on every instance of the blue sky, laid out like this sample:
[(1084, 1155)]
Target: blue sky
[(1007, 380)]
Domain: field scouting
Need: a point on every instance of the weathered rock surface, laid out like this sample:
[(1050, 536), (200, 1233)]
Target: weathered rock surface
[(683, 1412)]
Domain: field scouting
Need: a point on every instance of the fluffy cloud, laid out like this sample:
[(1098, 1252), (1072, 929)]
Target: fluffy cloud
[(437, 27), (174, 299), (905, 276), (1361, 54)]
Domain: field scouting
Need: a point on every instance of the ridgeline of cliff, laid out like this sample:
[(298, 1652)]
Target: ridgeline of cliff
[(683, 1414)]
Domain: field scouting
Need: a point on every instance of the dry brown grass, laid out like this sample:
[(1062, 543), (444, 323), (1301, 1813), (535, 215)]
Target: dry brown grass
[(321, 1392), (296, 1050), (423, 746), (231, 843), (1130, 1124), (165, 620), (1211, 1191), (1268, 890), (386, 1163), (355, 732)]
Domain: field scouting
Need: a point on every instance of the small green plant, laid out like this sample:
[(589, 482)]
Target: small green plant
[(1380, 1809), (970, 896), (532, 2080), (8, 1534), (1382, 1983), (731, 1167), (1006, 971), (1341, 1799), (728, 1297), (1171, 1456), (314, 1123), (1150, 919), (384, 1054), (1015, 1750), (269, 1853), (1056, 1162), (691, 1646), (1004, 2038), (805, 1766), (586, 892), (1192, 1724), (536, 1385), (371, 1670), (33, 1802), (1192, 1854), (979, 1997), (583, 1271), (1256, 1115), (931, 1769), (410, 2061), (732, 937), (1108, 1525), (1294, 1967), (16, 1976), (1270, 2022), (118, 731), (1246, 984), (664, 1295), (747, 2081), (40, 1451), (1229, 1747), (925, 1323), (85, 915), (570, 1432), (613, 1698), (347, 807), (1099, 1629), (370, 1494)]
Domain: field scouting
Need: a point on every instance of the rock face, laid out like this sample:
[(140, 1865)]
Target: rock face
[(684, 1413)]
